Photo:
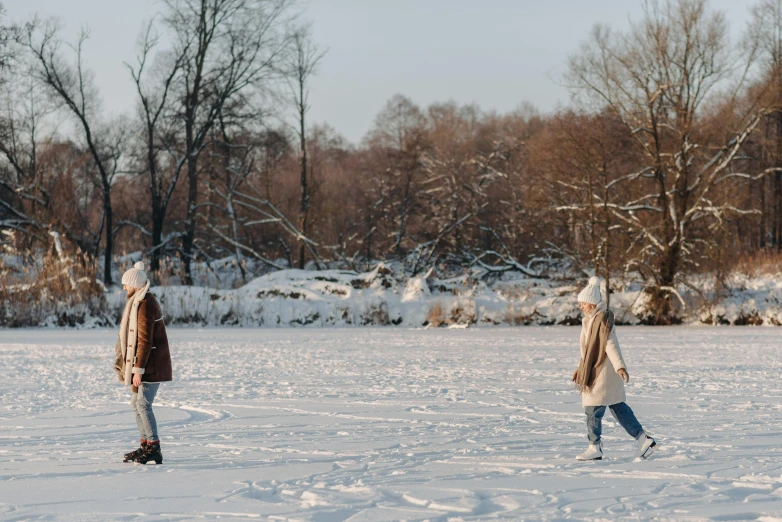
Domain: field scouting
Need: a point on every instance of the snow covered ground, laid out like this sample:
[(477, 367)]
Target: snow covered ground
[(391, 424)]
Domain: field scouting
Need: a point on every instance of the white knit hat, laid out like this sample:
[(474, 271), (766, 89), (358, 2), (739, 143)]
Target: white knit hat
[(591, 294), (135, 277)]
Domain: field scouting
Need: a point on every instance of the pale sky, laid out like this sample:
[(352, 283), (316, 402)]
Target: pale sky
[(495, 53)]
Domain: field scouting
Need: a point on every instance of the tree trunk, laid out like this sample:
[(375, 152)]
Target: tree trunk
[(778, 184), (778, 209), (607, 242), (668, 269), (192, 184), (305, 196), (400, 232), (157, 211), (235, 235), (190, 225), (157, 232), (762, 226), (109, 235)]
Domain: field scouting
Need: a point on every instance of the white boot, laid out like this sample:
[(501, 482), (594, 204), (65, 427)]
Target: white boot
[(646, 446), (593, 452)]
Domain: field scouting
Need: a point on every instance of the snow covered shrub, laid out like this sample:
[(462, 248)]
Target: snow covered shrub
[(463, 312), (714, 319), (375, 314), (748, 319), (436, 316), (458, 312), (56, 288), (570, 321), (186, 305), (518, 316), (514, 315)]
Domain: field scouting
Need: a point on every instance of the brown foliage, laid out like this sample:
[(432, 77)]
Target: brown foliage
[(57, 289), (672, 166)]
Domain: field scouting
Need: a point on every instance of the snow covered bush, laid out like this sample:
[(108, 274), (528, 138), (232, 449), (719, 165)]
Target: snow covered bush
[(59, 288), (55, 288)]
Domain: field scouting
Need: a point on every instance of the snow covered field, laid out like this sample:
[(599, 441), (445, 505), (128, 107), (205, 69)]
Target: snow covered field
[(391, 424)]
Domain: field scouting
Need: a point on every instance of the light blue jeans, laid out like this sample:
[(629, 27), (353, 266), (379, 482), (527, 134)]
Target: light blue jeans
[(622, 413), (141, 404)]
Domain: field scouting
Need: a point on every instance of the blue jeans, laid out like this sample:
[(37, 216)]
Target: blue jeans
[(621, 412), (141, 404)]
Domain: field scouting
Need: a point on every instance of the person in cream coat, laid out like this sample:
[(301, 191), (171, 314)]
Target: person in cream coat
[(602, 374)]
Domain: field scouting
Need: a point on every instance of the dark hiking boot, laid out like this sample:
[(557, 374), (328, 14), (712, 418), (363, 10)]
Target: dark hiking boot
[(129, 457), (151, 453)]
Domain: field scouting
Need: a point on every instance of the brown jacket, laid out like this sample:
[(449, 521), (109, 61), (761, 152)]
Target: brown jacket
[(152, 351)]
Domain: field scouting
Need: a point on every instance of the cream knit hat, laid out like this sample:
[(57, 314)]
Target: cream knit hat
[(135, 277), (591, 294)]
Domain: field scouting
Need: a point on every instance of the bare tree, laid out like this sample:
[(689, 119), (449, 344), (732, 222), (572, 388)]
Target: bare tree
[(301, 64), (229, 49), (154, 101), (231, 202), (241, 199), (656, 80), (22, 193), (764, 43), (581, 156), (26, 198), (71, 85), (399, 139), (463, 161)]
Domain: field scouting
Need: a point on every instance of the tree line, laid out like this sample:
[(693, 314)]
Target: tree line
[(668, 162)]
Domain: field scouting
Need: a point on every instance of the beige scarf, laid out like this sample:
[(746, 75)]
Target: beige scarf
[(126, 344), (600, 326)]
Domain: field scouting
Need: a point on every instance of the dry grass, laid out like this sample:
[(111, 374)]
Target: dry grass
[(515, 316), (762, 262), (51, 289), (171, 271), (436, 315), (459, 314), (463, 315), (514, 292)]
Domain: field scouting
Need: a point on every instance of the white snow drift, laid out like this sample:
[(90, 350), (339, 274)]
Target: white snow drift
[(382, 297)]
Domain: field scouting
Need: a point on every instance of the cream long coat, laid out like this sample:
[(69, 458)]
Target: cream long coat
[(609, 388)]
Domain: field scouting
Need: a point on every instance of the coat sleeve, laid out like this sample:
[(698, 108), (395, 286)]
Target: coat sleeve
[(613, 352), (143, 337)]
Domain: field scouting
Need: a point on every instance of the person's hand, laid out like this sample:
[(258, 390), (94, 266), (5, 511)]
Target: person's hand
[(624, 375), (136, 380)]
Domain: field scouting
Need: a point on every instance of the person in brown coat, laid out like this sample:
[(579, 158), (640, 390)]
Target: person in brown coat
[(142, 359)]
